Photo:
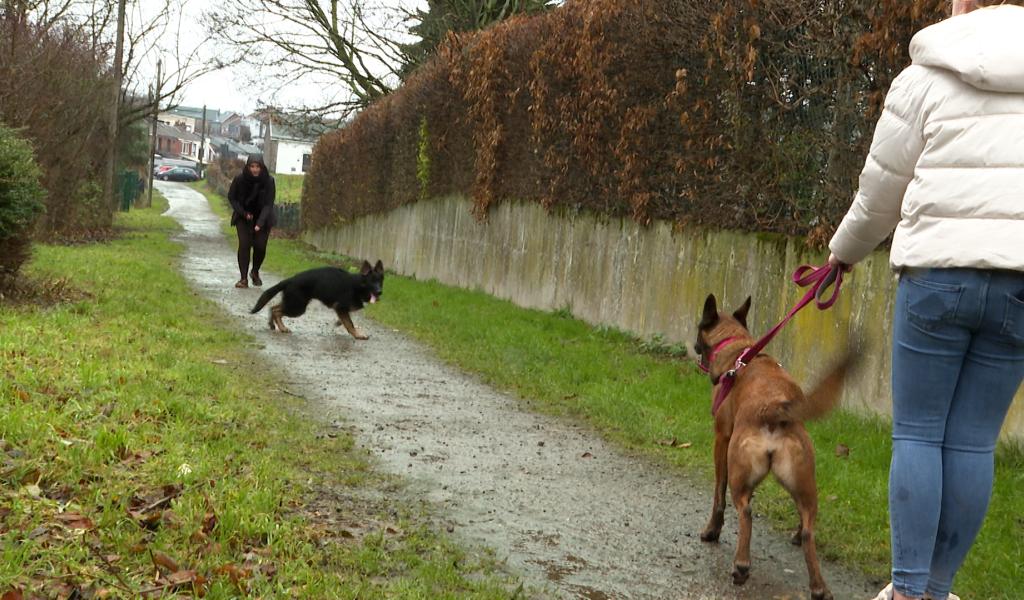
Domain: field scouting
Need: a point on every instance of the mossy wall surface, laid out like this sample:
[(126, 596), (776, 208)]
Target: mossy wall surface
[(646, 280)]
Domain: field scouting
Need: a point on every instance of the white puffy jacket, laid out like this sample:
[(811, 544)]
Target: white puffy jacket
[(946, 166)]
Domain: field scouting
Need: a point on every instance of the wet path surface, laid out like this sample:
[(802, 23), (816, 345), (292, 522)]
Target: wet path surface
[(568, 512)]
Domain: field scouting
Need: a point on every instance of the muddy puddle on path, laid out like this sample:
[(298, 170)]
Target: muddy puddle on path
[(570, 514)]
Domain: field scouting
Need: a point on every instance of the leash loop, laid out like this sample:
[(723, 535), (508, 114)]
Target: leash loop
[(821, 278)]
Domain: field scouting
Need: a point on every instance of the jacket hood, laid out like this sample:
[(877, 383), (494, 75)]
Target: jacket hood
[(985, 47), (264, 172)]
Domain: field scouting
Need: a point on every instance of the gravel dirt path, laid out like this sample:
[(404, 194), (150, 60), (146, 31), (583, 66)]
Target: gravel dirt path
[(567, 512)]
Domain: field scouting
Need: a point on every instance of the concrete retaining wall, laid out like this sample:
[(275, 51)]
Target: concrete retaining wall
[(646, 280)]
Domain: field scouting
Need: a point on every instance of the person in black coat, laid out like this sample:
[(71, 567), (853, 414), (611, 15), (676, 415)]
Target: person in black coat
[(251, 196)]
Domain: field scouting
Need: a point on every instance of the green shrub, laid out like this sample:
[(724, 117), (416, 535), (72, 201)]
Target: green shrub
[(88, 208), (220, 173), (21, 194), (21, 201)]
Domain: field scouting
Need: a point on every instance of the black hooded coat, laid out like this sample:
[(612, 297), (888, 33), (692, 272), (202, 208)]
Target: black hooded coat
[(255, 195)]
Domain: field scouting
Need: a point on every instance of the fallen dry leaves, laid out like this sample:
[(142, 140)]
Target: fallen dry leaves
[(673, 443), (75, 521), (150, 510)]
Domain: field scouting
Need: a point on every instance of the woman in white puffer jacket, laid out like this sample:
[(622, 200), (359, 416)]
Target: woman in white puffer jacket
[(946, 170)]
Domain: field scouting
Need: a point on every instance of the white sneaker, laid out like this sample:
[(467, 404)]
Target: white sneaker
[(885, 594)]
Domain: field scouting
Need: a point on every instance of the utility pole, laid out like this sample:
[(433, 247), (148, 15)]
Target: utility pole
[(152, 139), (112, 127), (202, 142)]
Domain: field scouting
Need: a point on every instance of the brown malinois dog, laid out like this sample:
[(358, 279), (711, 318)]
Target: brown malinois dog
[(759, 430)]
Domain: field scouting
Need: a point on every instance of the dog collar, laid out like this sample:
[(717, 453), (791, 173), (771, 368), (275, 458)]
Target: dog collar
[(718, 347), (705, 365)]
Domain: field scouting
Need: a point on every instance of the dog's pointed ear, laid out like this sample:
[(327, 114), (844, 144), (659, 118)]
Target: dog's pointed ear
[(366, 268), (710, 316), (379, 267), (741, 312)]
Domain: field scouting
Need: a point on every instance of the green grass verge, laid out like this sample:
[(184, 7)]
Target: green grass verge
[(140, 434), (644, 396), (289, 188)]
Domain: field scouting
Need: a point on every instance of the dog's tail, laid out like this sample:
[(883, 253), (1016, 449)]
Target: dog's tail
[(267, 295), (825, 395)]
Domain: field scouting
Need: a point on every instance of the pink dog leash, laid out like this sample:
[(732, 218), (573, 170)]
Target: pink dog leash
[(820, 279)]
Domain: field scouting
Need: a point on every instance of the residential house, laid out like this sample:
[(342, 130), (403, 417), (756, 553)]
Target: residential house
[(231, 149), (241, 128), (286, 151), (191, 118), (174, 142)]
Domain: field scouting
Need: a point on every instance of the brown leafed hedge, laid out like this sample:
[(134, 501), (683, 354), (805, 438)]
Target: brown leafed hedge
[(748, 114)]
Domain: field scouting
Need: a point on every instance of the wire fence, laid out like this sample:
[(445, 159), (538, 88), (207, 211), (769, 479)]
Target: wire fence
[(289, 217)]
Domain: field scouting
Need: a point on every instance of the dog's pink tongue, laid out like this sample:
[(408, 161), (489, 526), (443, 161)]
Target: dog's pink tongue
[(373, 298)]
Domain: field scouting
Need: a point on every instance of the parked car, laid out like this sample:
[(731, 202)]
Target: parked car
[(178, 174), (157, 170)]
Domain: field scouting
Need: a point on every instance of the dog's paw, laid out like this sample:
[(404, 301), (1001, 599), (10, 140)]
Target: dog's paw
[(740, 574)]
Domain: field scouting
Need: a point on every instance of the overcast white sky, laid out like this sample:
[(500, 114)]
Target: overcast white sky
[(224, 90), (220, 91)]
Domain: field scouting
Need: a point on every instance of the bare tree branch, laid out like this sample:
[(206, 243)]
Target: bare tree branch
[(342, 44)]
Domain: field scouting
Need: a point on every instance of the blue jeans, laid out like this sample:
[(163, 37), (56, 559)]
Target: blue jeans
[(957, 361)]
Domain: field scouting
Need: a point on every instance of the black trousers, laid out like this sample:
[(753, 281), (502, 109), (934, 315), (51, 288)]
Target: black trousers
[(251, 241)]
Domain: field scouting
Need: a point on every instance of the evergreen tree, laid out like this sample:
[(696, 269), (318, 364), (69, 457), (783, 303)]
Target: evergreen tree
[(442, 16)]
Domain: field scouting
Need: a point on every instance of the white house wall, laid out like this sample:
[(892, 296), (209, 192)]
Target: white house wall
[(171, 119), (289, 156)]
